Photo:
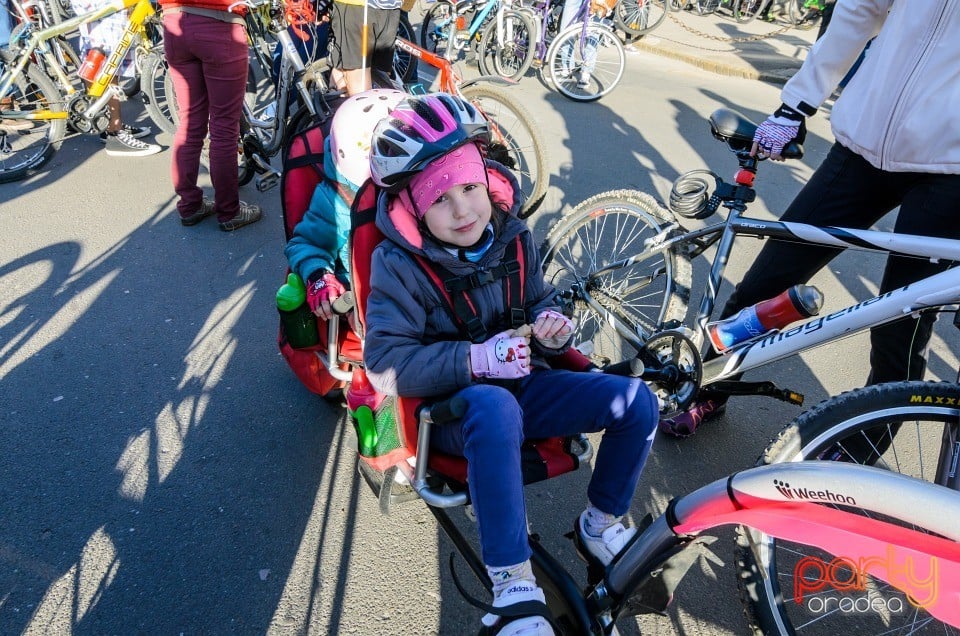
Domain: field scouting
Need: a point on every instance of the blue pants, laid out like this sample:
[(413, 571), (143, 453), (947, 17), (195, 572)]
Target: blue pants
[(547, 404)]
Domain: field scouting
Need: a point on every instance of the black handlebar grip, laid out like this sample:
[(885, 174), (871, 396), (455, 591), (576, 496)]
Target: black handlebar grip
[(448, 410), (343, 303)]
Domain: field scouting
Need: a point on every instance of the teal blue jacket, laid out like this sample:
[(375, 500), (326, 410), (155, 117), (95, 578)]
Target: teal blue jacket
[(319, 241)]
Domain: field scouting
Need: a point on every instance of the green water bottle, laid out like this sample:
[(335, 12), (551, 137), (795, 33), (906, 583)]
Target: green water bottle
[(299, 323)]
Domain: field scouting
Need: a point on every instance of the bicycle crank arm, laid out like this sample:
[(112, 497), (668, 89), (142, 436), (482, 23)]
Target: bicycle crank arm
[(731, 387)]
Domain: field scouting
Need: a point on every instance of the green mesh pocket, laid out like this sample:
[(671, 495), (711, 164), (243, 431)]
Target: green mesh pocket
[(378, 431)]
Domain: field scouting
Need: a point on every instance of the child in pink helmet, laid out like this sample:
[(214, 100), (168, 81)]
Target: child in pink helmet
[(448, 206)]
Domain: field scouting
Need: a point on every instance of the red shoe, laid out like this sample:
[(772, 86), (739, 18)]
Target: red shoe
[(687, 423)]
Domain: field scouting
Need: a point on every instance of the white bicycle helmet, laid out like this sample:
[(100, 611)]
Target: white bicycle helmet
[(419, 130), (352, 128)]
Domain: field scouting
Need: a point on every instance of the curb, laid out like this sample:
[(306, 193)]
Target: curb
[(773, 76)]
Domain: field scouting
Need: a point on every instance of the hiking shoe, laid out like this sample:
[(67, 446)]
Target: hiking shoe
[(123, 144), (522, 611), (15, 125), (687, 423), (205, 210), (137, 132), (605, 547), (248, 214)]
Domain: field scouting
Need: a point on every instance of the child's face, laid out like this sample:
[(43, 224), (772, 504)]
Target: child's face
[(460, 215)]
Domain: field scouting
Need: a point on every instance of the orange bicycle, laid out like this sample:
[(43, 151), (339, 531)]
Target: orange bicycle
[(517, 142)]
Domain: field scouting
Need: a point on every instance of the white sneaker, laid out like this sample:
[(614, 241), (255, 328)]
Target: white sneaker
[(610, 542), (521, 591), (583, 79)]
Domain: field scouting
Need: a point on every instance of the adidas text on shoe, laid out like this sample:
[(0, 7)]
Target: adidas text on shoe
[(608, 545), (524, 611), (137, 132), (247, 214), (205, 210), (123, 144)]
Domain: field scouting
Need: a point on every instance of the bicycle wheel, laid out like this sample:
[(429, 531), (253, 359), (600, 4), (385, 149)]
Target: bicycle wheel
[(24, 151), (586, 66), (644, 295), (746, 10), (512, 55), (404, 64), (639, 17), (909, 427), (516, 141), (159, 97), (435, 28)]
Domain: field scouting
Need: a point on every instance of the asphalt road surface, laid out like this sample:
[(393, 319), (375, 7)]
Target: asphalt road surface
[(162, 471)]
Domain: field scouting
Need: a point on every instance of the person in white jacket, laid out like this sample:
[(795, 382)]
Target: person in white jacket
[(897, 130)]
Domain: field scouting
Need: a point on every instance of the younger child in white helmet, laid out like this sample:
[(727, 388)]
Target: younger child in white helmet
[(318, 250)]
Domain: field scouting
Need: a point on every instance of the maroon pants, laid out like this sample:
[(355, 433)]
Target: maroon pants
[(208, 65)]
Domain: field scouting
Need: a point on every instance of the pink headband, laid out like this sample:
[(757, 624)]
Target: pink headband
[(460, 166)]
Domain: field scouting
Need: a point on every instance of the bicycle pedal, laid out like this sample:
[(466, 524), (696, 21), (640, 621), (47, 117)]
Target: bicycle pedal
[(268, 181)]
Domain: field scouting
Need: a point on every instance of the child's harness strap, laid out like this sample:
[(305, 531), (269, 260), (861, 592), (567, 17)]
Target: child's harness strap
[(455, 290)]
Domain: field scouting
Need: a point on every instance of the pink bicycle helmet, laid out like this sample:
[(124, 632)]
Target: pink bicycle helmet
[(352, 128), (419, 130)]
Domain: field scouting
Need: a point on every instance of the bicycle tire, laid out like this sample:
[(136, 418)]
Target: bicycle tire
[(435, 28), (745, 11), (892, 426), (517, 142), (647, 295), (24, 152), (404, 64), (512, 57), (636, 18), (160, 99), (572, 72)]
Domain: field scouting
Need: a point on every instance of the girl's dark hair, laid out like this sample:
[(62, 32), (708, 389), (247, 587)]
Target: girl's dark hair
[(499, 210)]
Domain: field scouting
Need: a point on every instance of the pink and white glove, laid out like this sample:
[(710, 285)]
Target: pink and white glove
[(503, 357), (552, 329), (777, 131), (321, 293)]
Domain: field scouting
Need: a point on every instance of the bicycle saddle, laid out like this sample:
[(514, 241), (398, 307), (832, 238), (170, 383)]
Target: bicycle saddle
[(737, 131)]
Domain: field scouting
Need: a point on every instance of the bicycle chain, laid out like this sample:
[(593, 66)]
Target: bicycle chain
[(731, 40)]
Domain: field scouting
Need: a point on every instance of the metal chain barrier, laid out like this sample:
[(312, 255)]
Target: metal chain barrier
[(731, 40)]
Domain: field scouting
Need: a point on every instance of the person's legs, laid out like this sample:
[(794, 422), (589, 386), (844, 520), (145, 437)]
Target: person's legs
[(489, 437), (623, 408), (186, 71), (222, 49), (930, 204), (385, 27)]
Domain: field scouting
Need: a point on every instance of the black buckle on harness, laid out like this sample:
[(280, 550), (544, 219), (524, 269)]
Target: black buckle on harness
[(517, 317), (475, 330), (465, 283)]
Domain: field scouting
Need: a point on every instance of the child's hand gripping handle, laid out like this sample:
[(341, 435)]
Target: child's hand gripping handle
[(505, 356)]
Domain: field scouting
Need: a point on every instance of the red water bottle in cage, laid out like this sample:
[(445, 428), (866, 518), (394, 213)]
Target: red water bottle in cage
[(92, 63), (800, 301)]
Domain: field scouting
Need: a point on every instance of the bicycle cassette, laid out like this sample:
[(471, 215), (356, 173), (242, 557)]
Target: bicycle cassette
[(674, 367)]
